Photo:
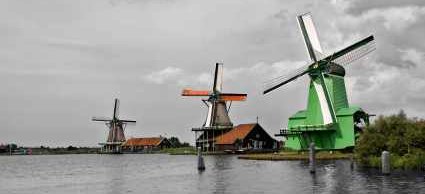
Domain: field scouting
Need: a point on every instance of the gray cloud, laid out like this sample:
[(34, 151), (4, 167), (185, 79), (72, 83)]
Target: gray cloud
[(357, 7)]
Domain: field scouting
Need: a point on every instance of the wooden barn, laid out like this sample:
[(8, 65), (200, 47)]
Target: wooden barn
[(246, 137), (146, 144)]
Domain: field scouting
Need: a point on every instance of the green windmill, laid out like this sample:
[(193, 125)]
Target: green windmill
[(328, 121)]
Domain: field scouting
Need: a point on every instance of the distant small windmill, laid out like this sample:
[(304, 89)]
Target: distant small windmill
[(116, 127), (328, 121), (218, 120)]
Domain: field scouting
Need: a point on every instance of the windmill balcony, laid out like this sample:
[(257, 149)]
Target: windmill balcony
[(305, 128), (212, 128)]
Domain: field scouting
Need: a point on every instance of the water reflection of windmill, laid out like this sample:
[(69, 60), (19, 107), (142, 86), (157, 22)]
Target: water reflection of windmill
[(218, 120), (328, 121), (116, 127)]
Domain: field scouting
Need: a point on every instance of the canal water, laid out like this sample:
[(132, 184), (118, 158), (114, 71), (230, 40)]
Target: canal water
[(160, 173)]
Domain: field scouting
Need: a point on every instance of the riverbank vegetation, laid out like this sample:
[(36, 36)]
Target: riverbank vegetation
[(292, 155), (64, 150), (178, 148), (187, 150), (42, 150), (403, 137)]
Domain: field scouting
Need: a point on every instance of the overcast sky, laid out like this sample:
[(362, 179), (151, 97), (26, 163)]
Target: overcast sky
[(63, 61)]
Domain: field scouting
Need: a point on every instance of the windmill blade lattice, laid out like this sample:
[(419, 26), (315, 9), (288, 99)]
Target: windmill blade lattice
[(128, 122), (353, 52), (356, 54), (106, 119), (284, 79)]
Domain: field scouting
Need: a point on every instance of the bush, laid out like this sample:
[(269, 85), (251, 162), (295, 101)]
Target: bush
[(175, 143), (403, 137)]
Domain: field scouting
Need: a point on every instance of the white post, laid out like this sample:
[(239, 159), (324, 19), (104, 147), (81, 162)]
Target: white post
[(312, 158), (201, 164), (385, 162)]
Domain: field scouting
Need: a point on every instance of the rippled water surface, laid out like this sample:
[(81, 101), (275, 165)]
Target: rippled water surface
[(159, 173)]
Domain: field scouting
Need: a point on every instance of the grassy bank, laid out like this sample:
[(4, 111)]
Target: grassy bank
[(179, 151), (188, 151), (297, 156), (53, 151), (412, 161)]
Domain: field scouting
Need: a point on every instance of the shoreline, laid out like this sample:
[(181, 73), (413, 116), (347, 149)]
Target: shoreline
[(281, 156)]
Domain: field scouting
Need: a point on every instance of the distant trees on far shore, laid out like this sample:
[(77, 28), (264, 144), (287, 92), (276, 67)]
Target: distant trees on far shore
[(175, 142), (4, 148)]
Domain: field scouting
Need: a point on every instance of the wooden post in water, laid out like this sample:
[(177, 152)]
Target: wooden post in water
[(385, 163), (201, 164), (312, 158), (10, 149)]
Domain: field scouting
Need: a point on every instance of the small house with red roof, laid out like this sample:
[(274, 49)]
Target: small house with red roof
[(145, 144), (246, 137)]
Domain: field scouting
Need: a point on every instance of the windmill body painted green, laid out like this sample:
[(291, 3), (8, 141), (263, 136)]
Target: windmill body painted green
[(328, 121)]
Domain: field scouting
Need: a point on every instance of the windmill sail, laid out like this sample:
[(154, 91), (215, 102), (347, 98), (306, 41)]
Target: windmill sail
[(190, 92), (209, 115), (101, 119), (353, 52), (323, 102), (116, 108), (128, 121), (218, 77), (309, 33), (282, 80), (342, 57), (232, 97)]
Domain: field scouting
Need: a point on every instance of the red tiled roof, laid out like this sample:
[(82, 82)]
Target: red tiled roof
[(144, 141), (238, 132)]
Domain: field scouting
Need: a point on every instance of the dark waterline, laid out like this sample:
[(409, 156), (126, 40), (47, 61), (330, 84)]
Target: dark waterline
[(178, 174)]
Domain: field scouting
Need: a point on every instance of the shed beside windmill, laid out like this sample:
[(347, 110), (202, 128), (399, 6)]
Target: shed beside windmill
[(146, 144), (246, 137)]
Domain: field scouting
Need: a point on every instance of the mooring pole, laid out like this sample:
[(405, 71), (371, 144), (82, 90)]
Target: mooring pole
[(312, 158), (385, 163), (201, 164)]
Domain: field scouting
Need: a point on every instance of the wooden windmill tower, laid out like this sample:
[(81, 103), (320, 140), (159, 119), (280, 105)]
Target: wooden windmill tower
[(218, 120), (329, 121), (116, 135)]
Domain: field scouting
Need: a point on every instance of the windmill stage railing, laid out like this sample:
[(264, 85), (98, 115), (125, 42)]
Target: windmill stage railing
[(305, 128), (211, 128)]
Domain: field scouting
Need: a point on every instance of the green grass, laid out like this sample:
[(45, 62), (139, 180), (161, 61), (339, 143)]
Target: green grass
[(179, 151), (291, 155), (414, 161), (61, 151)]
